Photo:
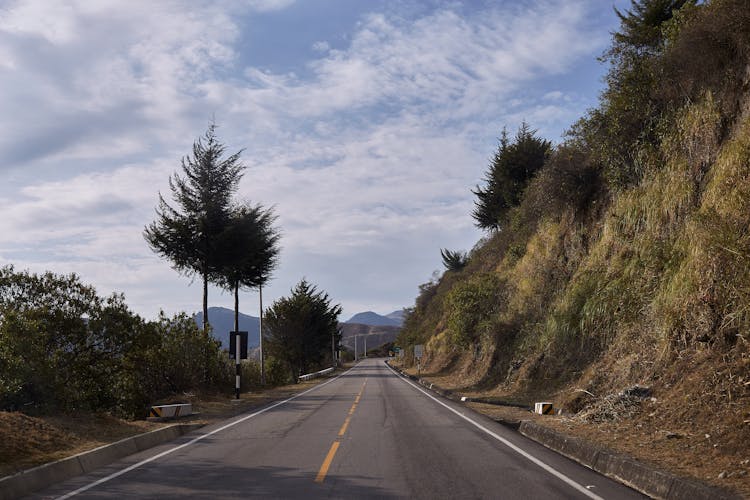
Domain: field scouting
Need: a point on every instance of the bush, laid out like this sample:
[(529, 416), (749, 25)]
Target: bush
[(569, 180), (62, 347), (277, 372), (709, 50), (471, 306)]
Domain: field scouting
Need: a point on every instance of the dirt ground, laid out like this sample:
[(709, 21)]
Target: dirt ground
[(702, 437), (28, 441)]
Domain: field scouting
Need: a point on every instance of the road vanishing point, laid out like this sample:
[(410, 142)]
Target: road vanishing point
[(368, 433)]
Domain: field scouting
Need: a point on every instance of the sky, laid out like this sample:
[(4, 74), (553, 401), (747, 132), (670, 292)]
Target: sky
[(364, 124)]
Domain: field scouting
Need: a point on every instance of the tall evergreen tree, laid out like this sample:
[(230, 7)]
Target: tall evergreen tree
[(248, 251), (302, 327), (512, 167), (189, 235)]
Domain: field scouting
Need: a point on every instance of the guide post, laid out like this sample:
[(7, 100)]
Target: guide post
[(238, 352), (418, 350)]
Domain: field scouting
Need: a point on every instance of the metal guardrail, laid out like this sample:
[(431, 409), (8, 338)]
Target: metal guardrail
[(309, 376)]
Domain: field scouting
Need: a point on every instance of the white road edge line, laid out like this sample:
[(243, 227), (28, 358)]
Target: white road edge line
[(507, 443), (192, 441)]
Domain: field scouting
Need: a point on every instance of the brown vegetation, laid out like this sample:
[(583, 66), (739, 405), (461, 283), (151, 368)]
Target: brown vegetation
[(626, 262)]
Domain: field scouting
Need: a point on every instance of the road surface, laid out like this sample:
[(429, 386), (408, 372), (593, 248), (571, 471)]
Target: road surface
[(368, 433)]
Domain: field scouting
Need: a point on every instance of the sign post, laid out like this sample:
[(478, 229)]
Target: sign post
[(237, 352), (418, 351)]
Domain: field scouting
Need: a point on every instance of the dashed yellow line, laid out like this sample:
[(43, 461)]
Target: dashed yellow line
[(327, 462), (335, 446), (342, 431)]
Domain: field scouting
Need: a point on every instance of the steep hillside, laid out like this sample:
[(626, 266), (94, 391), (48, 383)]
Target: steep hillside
[(627, 257)]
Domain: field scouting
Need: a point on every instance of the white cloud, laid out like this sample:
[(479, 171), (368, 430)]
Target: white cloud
[(368, 152), (321, 46), (268, 5)]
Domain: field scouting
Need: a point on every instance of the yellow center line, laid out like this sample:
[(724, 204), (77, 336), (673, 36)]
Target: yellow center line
[(327, 463), (335, 446), (343, 427)]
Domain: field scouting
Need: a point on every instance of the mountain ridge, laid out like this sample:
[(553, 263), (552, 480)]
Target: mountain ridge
[(221, 320), (375, 319)]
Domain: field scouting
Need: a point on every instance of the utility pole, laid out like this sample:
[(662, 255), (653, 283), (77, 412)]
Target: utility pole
[(333, 349), (355, 348), (260, 327), (365, 345)]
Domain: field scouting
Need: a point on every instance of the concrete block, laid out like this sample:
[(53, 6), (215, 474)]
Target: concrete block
[(644, 478), (187, 428), (569, 446), (683, 488), (31, 480), (107, 454), (159, 436)]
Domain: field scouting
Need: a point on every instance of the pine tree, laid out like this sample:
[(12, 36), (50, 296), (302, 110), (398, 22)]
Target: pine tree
[(512, 167), (188, 235), (302, 327), (248, 251)]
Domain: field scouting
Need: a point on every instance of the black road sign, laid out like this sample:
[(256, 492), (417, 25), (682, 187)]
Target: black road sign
[(233, 345)]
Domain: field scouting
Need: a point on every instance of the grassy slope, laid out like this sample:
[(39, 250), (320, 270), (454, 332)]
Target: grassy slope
[(655, 291), (650, 287)]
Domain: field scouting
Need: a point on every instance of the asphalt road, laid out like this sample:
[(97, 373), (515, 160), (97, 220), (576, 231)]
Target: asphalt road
[(366, 434)]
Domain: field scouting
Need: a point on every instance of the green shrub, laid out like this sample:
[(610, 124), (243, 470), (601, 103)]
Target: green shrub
[(277, 373), (62, 347), (470, 307)]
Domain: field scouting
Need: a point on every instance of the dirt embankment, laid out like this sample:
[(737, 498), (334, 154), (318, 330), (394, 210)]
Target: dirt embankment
[(692, 419)]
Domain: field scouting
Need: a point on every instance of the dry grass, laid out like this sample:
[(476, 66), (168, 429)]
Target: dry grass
[(27, 441)]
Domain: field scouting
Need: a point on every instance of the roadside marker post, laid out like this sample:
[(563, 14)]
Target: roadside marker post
[(418, 351), (238, 352)]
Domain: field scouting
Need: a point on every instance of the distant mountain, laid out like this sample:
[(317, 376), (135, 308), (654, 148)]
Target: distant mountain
[(373, 319), (222, 322), (397, 316), (377, 335), (379, 329)]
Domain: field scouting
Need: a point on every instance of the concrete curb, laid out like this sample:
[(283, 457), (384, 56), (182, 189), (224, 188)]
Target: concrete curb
[(641, 477), (31, 480)]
